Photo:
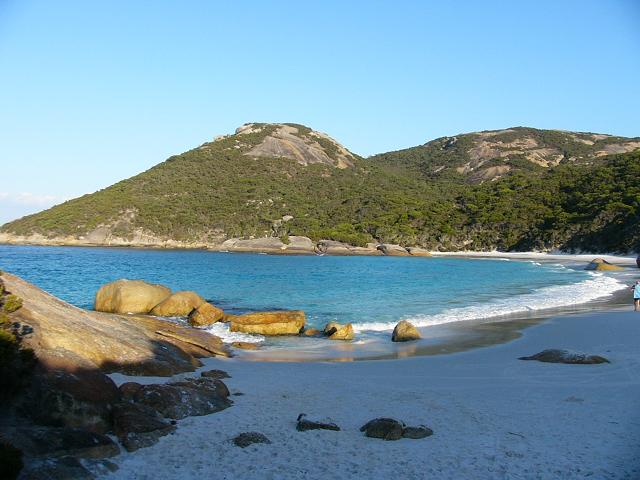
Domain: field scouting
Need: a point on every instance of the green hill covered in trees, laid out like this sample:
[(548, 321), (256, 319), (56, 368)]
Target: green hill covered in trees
[(514, 189)]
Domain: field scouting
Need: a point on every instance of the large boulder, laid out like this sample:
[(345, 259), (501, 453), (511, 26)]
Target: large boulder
[(190, 397), (138, 426), (336, 331), (405, 331), (392, 250), (79, 339), (418, 252), (205, 314), (130, 296), (565, 356), (63, 395), (383, 428), (288, 322), (392, 429), (600, 264), (59, 442), (180, 304)]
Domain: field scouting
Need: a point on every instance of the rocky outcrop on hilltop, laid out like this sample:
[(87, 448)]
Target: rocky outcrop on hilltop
[(490, 155), (298, 143)]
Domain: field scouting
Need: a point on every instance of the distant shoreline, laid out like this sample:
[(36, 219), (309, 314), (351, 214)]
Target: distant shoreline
[(336, 249)]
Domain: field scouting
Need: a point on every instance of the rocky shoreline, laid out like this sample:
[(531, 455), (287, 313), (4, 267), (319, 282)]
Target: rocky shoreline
[(293, 245)]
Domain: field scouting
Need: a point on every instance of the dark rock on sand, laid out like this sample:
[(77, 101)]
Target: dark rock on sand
[(391, 429), (565, 356), (249, 438), (384, 428), (404, 332), (138, 426), (79, 398), (417, 433), (65, 468), (219, 374), (303, 425), (191, 397), (60, 442)]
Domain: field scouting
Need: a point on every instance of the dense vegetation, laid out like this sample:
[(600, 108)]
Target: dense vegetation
[(585, 202), (16, 362)]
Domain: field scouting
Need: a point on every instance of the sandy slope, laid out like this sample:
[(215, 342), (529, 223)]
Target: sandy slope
[(493, 415)]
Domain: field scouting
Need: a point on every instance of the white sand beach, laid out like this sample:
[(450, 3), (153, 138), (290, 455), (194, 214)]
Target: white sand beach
[(494, 416)]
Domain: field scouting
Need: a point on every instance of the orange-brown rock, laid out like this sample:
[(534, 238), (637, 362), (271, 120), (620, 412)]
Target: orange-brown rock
[(311, 332), (129, 296), (180, 304), (205, 314), (288, 322), (245, 345), (405, 331), (600, 264), (336, 331)]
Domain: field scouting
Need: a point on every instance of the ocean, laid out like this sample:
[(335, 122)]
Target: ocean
[(373, 293)]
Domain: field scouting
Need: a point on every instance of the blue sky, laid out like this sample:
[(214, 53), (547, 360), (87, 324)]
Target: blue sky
[(94, 92)]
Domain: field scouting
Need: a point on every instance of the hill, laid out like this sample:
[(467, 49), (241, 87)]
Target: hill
[(483, 156), (514, 189)]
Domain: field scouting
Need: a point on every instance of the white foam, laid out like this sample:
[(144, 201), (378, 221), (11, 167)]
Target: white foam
[(598, 286), (222, 330)]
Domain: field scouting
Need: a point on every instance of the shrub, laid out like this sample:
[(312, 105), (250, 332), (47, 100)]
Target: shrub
[(16, 364), (12, 303)]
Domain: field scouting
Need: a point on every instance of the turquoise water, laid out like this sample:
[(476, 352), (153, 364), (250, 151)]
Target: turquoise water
[(373, 293)]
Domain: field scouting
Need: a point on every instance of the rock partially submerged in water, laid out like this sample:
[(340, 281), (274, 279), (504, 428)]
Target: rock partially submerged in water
[(336, 331), (286, 322), (205, 314), (303, 424), (179, 304), (130, 296), (566, 356), (405, 331), (392, 429), (311, 332), (600, 264), (245, 345)]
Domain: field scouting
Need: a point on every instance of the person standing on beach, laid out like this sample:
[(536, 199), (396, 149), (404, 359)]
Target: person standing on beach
[(636, 296)]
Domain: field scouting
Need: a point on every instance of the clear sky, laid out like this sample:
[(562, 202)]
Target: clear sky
[(93, 92)]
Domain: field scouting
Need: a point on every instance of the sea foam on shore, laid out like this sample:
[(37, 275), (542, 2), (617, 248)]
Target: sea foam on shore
[(596, 287)]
